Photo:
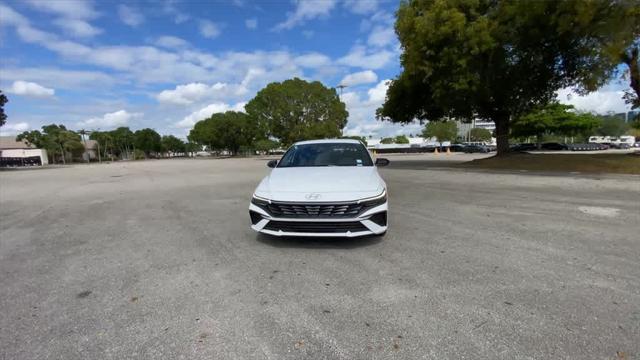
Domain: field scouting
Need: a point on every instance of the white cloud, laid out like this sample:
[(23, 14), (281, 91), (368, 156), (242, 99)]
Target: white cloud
[(362, 109), (306, 10), (14, 129), (72, 9), (602, 101), (26, 88), (209, 29), (194, 92), (251, 23), (65, 79), (110, 120), (10, 17), (361, 7), (171, 42), (130, 16), (169, 8), (360, 57), (207, 111), (312, 60), (362, 77), (77, 27), (381, 36), (378, 93)]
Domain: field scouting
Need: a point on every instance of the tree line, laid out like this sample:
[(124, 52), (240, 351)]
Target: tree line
[(279, 115), (64, 145)]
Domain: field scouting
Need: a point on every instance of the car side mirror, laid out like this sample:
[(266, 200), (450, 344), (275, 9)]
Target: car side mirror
[(382, 162), (272, 163)]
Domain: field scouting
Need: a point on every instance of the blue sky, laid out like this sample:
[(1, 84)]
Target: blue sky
[(167, 64)]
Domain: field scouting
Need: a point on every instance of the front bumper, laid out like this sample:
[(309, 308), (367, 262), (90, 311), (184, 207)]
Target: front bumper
[(373, 221)]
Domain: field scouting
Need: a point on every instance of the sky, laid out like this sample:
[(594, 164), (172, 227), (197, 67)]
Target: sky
[(98, 65)]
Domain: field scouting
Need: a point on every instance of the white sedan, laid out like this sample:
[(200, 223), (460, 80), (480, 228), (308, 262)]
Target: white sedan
[(322, 188)]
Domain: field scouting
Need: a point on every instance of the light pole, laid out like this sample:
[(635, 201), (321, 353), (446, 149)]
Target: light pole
[(341, 87)]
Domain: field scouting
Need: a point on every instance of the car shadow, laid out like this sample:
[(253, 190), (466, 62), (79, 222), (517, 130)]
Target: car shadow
[(318, 242)]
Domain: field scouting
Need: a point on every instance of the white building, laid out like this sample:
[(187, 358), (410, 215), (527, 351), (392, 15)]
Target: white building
[(19, 153)]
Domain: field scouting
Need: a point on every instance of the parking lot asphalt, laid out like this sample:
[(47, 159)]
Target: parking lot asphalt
[(156, 260)]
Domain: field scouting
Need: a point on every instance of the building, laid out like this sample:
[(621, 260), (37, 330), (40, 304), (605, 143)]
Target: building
[(20, 153), (90, 150)]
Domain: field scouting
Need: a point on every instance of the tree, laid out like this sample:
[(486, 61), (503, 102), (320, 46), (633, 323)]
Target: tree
[(191, 147), (553, 119), (401, 139), (3, 100), (612, 126), (147, 140), (105, 142), (297, 110), (480, 134), (172, 144), (441, 130), (226, 131), (266, 145), (56, 139), (630, 58), (386, 140), (499, 60), (362, 139)]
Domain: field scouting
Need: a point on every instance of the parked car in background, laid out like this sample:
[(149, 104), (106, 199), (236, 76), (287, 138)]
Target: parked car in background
[(524, 147), (554, 146), (587, 147), (476, 149), (622, 145), (457, 148)]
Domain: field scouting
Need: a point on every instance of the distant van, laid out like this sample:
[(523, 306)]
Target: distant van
[(613, 140)]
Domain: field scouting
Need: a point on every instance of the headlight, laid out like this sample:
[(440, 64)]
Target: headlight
[(260, 201), (375, 201)]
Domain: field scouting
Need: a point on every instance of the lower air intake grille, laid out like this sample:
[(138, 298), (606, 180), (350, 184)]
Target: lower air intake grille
[(315, 227)]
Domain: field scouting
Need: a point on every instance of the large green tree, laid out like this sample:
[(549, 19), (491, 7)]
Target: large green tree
[(631, 57), (226, 131), (612, 126), (147, 140), (479, 134), (115, 143), (499, 60), (554, 119), (172, 144), (441, 130), (296, 110)]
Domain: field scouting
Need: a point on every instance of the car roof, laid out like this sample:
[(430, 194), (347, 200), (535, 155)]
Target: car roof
[(328, 141)]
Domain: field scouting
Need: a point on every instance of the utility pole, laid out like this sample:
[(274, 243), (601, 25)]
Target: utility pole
[(341, 87)]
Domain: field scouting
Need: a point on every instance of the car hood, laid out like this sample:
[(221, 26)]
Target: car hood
[(331, 183)]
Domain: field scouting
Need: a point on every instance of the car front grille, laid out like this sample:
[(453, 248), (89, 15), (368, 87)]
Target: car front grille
[(310, 210), (315, 227)]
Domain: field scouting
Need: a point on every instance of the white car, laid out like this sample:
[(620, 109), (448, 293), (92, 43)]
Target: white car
[(322, 188)]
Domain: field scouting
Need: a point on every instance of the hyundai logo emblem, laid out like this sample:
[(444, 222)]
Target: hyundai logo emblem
[(312, 196)]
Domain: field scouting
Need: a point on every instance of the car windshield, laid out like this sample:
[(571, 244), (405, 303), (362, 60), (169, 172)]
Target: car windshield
[(326, 154)]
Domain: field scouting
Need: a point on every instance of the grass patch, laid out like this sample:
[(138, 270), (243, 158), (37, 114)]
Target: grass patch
[(587, 163)]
